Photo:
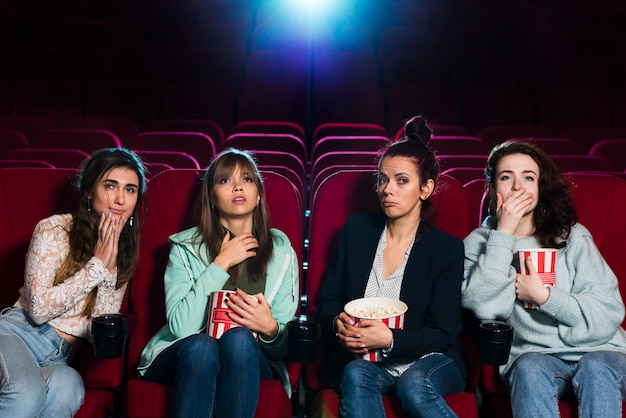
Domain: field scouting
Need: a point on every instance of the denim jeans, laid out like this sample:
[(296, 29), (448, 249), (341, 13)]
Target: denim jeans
[(35, 380), (213, 375), (420, 389), (596, 381)]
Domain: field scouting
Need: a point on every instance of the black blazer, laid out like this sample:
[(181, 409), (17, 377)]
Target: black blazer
[(431, 288)]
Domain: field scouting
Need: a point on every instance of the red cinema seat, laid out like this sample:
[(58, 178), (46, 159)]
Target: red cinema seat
[(200, 146), (11, 139), (348, 143), (328, 215), (88, 140), (103, 378), (269, 142), (175, 191), (205, 126), (58, 157), (613, 150)]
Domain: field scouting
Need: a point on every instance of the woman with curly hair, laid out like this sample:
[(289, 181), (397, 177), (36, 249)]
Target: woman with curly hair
[(77, 267), (571, 346)]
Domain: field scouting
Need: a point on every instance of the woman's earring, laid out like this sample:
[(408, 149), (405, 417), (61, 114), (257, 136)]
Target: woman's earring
[(88, 205), (130, 221)]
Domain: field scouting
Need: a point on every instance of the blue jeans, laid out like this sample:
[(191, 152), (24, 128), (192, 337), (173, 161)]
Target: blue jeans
[(420, 389), (596, 381), (213, 375), (35, 380)]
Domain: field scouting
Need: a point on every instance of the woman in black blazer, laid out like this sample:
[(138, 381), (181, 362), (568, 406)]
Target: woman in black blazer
[(397, 254)]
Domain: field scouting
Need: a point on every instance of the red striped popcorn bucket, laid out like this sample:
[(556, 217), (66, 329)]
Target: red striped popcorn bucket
[(219, 322), (391, 312), (544, 261)]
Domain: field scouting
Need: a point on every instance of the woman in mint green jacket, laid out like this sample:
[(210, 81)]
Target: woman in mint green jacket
[(232, 247)]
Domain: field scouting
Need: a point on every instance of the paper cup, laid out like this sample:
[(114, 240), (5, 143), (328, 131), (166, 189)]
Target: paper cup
[(544, 261), (219, 322), (390, 311)]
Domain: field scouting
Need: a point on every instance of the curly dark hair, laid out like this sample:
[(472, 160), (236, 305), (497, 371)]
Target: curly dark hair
[(555, 214), (414, 145)]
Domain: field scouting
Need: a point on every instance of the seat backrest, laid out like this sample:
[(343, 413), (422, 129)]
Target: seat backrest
[(205, 126), (58, 157), (465, 174), (356, 188), (554, 145), (176, 159), (284, 158), (268, 142), (197, 144), (600, 202), (269, 127), (171, 196), (613, 150), (18, 217), (11, 139), (447, 161), (347, 129), (123, 128), (583, 163), (335, 158), (347, 144), (88, 140), (458, 145), (475, 190)]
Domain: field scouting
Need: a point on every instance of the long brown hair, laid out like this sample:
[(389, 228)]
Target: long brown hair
[(554, 215), (414, 145), (83, 233), (211, 230)]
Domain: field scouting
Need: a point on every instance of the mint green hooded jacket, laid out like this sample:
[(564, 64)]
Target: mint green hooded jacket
[(189, 281)]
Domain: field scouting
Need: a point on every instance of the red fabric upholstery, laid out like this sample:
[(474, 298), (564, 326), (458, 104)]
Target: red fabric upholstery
[(174, 193), (348, 143), (18, 217), (599, 202), (97, 403), (269, 142), (611, 149), (328, 215), (205, 126), (11, 139), (200, 146), (341, 129), (58, 157), (88, 140)]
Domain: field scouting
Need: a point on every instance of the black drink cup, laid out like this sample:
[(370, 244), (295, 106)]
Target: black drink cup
[(302, 340), (494, 342), (109, 335)]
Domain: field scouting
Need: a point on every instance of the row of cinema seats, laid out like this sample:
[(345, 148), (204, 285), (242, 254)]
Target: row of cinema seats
[(112, 385), (283, 146)]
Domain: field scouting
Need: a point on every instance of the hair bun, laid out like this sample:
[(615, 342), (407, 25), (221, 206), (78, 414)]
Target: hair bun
[(417, 129)]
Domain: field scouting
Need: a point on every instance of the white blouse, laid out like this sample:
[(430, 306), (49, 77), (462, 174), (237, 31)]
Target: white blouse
[(62, 305)]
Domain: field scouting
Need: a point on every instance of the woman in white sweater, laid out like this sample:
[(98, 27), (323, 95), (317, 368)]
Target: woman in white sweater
[(78, 266), (572, 345)]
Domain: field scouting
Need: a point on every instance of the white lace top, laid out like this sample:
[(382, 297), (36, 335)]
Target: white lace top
[(62, 305)]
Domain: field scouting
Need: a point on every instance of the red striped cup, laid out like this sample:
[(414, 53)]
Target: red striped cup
[(390, 311), (544, 261), (219, 322)]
